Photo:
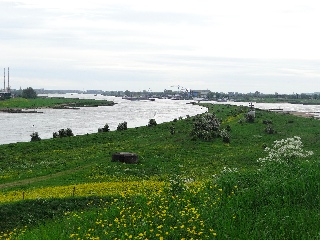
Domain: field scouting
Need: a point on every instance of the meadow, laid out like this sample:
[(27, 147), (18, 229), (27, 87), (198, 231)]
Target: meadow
[(262, 184), (23, 103)]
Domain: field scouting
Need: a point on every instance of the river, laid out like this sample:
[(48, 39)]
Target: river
[(17, 127)]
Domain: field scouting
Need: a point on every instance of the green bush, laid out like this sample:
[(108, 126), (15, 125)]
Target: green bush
[(225, 135), (35, 137), (269, 129), (205, 127), (152, 122), (104, 129), (249, 118), (122, 126), (63, 133), (267, 122), (172, 130)]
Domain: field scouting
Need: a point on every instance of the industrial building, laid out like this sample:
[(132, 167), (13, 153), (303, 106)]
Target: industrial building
[(6, 91)]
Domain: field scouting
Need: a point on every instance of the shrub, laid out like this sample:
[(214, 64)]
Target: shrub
[(63, 133), (172, 130), (285, 151), (267, 122), (177, 185), (104, 129), (152, 122), (225, 135), (205, 127), (35, 137), (122, 126), (269, 129), (249, 118)]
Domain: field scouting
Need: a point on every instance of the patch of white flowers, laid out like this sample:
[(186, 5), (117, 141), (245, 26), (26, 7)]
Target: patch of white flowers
[(285, 150), (179, 184), (229, 170)]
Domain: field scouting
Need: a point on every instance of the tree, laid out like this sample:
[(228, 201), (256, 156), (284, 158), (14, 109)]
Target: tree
[(29, 93), (128, 93), (35, 137)]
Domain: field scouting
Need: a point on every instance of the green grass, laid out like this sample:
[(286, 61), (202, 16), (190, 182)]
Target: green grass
[(275, 202), (51, 102), (280, 100)]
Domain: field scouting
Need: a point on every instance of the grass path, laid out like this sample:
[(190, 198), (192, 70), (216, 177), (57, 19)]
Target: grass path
[(43, 178)]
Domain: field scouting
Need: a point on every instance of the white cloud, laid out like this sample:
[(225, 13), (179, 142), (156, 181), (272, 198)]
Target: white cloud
[(219, 44)]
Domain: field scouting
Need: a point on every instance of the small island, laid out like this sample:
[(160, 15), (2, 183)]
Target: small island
[(23, 105)]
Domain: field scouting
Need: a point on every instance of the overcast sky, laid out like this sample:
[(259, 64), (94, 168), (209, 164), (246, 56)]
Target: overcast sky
[(225, 46)]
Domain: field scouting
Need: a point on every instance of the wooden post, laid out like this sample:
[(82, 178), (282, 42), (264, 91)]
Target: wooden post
[(22, 195), (251, 105), (73, 192)]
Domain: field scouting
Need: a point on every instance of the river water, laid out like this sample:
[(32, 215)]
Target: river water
[(18, 127)]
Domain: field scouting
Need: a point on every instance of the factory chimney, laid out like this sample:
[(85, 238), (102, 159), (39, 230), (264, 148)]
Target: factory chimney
[(8, 81), (4, 80)]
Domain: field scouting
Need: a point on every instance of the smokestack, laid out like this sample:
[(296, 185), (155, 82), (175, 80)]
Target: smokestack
[(8, 81), (4, 80)]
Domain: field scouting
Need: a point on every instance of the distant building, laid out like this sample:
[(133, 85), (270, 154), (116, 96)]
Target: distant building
[(5, 95), (200, 93)]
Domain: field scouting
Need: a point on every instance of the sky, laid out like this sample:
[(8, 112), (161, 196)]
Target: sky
[(223, 46)]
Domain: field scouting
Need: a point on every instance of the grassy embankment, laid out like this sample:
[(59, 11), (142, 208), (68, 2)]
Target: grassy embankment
[(181, 189), (22, 103), (281, 100)]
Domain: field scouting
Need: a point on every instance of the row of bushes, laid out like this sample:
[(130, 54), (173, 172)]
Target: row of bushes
[(205, 127), (68, 132), (60, 134)]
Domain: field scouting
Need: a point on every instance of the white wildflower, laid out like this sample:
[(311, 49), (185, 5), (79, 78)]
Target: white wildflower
[(286, 150)]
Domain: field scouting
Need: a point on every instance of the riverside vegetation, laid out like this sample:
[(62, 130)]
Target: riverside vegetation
[(241, 181), (31, 103)]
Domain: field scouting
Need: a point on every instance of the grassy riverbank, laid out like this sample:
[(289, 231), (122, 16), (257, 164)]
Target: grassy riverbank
[(181, 188), (23, 103), (282, 100)]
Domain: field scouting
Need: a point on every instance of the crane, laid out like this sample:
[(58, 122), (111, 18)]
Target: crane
[(182, 90)]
